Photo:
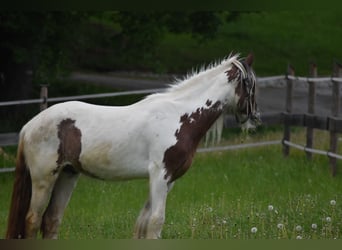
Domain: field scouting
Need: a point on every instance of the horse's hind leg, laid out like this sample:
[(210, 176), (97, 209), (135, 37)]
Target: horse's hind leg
[(59, 200), (41, 191)]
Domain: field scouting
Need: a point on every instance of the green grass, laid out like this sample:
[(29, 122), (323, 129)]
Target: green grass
[(223, 196)]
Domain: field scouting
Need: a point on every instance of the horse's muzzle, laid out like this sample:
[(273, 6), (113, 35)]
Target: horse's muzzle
[(255, 118)]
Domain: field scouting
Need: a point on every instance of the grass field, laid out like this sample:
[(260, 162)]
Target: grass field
[(244, 194)]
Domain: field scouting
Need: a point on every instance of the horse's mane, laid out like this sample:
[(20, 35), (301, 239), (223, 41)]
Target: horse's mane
[(214, 68), (190, 80)]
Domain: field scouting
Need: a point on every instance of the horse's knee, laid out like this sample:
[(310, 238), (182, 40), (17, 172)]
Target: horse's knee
[(32, 224)]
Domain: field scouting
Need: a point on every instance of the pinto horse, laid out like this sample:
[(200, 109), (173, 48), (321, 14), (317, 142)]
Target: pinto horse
[(155, 138)]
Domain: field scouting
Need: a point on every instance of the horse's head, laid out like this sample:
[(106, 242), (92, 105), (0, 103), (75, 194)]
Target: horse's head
[(246, 109)]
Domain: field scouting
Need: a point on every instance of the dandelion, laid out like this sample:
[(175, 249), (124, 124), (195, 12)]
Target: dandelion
[(299, 237), (224, 222), (328, 219), (314, 226), (254, 230), (193, 222), (298, 228), (332, 202), (280, 226), (270, 208)]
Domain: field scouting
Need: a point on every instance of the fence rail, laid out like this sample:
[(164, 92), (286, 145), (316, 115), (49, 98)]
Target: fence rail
[(155, 90), (80, 97), (202, 150), (331, 123), (311, 150)]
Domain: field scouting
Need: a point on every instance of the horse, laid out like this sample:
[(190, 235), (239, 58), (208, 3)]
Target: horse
[(214, 134), (154, 138)]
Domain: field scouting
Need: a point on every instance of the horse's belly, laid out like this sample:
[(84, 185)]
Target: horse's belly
[(113, 171), (115, 174), (104, 165)]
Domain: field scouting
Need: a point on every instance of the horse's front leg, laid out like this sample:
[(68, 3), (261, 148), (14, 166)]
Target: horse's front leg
[(152, 217), (159, 190), (141, 224)]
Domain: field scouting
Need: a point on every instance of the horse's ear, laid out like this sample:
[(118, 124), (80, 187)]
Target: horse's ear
[(249, 59)]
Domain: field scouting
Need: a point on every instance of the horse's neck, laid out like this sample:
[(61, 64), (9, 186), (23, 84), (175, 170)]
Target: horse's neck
[(200, 88), (198, 100), (195, 124), (199, 104)]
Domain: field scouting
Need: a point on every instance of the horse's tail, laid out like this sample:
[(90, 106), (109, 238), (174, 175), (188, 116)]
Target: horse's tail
[(21, 196)]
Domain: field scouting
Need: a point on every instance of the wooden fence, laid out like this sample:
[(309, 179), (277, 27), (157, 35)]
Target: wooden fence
[(310, 120)]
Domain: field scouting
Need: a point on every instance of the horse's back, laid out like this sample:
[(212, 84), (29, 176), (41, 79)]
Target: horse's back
[(80, 113), (102, 141)]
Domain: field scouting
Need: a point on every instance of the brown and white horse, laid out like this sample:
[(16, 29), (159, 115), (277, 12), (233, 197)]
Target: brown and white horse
[(155, 138)]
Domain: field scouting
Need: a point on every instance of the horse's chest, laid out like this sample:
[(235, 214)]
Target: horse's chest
[(178, 157), (177, 160)]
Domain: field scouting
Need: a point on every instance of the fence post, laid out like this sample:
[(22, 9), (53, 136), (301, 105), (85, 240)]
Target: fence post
[(44, 96), (337, 72), (288, 108), (311, 107)]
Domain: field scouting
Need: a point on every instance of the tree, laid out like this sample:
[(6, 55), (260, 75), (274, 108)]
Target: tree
[(128, 40), (35, 48), (38, 47)]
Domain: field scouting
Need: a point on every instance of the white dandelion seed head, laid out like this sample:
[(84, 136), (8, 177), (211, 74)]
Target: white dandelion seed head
[(280, 226), (299, 237), (314, 226), (224, 222), (298, 228), (332, 202), (254, 230), (328, 219), (270, 208)]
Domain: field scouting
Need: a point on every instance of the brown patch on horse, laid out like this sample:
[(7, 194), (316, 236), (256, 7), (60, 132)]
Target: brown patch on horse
[(69, 149), (208, 103), (178, 158), (232, 73)]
